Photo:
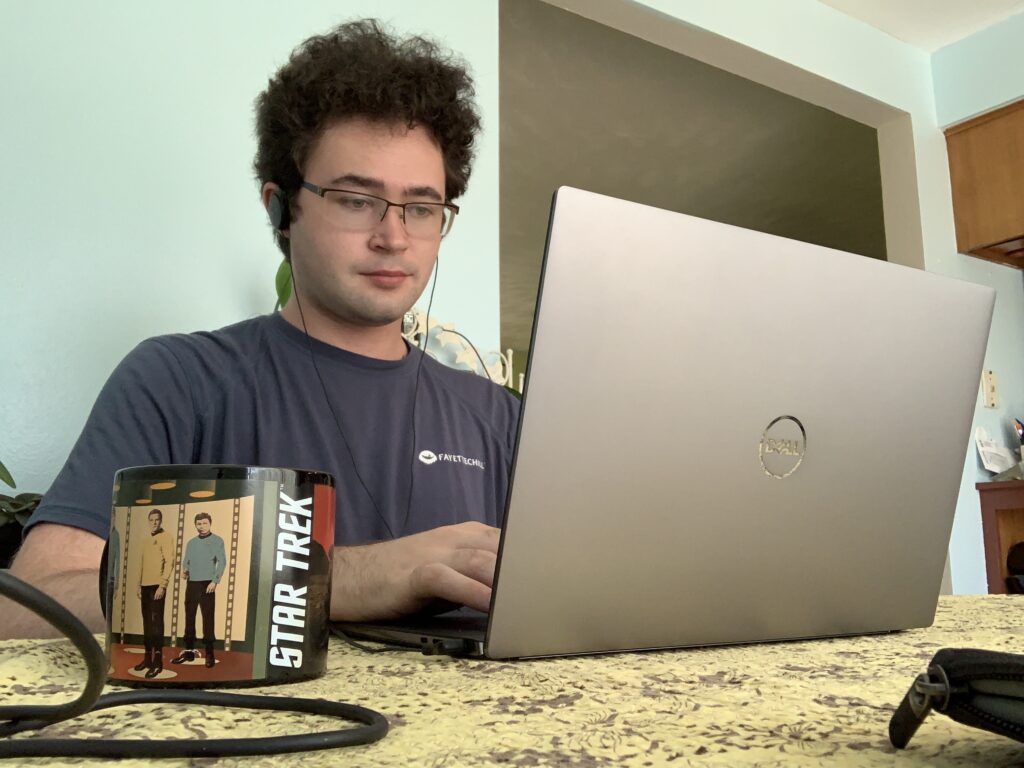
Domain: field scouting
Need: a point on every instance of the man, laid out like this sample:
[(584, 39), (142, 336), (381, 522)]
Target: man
[(364, 141), (202, 569), (154, 573)]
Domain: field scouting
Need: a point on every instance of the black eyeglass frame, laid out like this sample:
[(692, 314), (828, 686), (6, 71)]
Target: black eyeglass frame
[(388, 205)]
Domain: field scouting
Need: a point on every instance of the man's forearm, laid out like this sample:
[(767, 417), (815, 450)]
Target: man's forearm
[(75, 590), (357, 584)]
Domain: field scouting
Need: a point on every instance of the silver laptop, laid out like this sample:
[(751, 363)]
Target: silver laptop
[(726, 437)]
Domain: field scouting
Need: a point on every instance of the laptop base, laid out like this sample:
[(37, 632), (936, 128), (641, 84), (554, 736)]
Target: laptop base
[(458, 633)]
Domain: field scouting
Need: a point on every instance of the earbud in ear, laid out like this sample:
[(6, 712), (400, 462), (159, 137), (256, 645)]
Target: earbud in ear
[(277, 210)]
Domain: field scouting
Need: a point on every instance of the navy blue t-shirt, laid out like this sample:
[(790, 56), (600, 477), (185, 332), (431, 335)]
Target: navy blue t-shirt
[(249, 394)]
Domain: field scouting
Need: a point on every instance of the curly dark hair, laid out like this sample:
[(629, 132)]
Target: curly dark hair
[(359, 69)]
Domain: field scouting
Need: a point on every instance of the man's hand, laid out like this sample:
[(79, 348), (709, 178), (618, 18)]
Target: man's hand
[(138, 591), (184, 575), (211, 587), (396, 578), (159, 594)]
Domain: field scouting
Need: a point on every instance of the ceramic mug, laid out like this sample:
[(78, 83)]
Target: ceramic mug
[(218, 575)]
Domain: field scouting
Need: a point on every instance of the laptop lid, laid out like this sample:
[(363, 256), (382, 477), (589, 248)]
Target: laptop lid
[(728, 437)]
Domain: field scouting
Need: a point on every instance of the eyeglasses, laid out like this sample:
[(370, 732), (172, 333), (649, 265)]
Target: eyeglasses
[(360, 212)]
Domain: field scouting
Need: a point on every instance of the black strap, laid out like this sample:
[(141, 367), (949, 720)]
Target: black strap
[(32, 717)]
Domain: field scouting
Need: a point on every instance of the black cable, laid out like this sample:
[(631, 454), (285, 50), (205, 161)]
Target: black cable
[(478, 357), (74, 630), (415, 398), (32, 717), (384, 647), (415, 392), (374, 728), (330, 406)]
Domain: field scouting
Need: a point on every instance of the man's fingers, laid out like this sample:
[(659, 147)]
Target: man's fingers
[(477, 564), (476, 536), (441, 580)]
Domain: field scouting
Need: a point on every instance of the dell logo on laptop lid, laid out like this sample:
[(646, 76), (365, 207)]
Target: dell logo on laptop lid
[(782, 447)]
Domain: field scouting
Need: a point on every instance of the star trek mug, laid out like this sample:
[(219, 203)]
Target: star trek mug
[(218, 575)]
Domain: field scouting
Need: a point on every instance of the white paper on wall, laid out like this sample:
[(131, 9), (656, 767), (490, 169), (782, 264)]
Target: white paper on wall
[(995, 457)]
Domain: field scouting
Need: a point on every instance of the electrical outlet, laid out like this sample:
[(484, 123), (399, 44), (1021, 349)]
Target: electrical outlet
[(990, 388)]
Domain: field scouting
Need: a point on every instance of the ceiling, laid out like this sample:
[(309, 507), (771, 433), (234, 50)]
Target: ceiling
[(929, 24)]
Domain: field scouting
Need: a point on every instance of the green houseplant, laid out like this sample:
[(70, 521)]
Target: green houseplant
[(14, 513)]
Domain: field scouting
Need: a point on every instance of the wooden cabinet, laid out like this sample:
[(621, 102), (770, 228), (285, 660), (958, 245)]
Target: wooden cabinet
[(986, 168), (1002, 525)]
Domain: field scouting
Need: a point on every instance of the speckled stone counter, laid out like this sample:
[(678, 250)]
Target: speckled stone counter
[(786, 704)]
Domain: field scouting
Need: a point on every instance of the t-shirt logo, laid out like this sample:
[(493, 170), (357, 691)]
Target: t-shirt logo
[(429, 457)]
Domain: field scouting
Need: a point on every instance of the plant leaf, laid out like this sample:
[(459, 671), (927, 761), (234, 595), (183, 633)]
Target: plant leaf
[(29, 498), (283, 283), (5, 476)]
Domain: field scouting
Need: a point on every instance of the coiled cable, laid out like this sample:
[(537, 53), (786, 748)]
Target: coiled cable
[(19, 718)]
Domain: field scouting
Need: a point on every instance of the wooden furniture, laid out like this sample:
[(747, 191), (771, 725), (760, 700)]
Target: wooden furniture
[(1002, 524), (986, 169), (810, 703)]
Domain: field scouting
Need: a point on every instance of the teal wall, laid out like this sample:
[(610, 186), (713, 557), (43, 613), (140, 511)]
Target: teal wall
[(973, 76), (130, 208), (980, 72)]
